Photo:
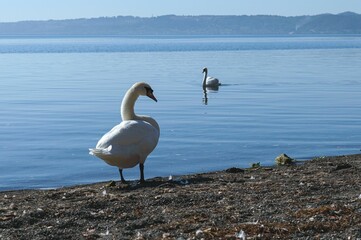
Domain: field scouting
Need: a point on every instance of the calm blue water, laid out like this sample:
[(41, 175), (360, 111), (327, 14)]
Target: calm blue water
[(294, 95)]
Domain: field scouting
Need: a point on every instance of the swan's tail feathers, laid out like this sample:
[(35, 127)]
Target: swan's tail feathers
[(100, 151)]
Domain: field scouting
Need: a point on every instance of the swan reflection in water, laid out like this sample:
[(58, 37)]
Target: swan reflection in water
[(209, 84), (206, 90)]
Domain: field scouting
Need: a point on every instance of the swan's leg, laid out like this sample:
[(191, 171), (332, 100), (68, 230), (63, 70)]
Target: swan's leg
[(121, 176), (141, 167)]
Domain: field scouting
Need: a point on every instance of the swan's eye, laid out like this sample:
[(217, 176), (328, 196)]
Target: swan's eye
[(148, 89)]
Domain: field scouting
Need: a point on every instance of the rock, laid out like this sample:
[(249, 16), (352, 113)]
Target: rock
[(235, 170), (283, 159)]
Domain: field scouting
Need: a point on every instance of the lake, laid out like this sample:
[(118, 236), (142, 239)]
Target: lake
[(294, 95)]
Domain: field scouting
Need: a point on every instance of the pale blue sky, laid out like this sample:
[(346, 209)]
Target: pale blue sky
[(17, 10)]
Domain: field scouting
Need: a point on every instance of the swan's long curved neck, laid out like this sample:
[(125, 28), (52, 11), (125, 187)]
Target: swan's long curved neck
[(204, 78), (127, 108)]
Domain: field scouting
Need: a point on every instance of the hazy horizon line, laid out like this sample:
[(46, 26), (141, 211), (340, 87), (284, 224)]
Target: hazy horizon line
[(251, 15)]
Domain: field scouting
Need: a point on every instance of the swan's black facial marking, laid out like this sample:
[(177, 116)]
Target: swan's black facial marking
[(150, 93), (148, 89)]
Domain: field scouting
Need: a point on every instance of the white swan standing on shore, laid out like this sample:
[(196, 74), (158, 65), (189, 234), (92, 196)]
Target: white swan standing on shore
[(130, 142), (209, 81)]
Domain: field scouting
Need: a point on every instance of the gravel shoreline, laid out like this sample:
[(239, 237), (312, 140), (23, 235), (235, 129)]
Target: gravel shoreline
[(319, 199)]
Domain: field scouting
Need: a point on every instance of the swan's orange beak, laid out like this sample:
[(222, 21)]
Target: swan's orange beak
[(150, 95)]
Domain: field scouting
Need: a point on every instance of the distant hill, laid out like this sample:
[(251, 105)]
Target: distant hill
[(343, 23)]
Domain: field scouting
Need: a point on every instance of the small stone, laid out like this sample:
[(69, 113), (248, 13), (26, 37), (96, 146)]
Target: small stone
[(111, 184), (166, 235)]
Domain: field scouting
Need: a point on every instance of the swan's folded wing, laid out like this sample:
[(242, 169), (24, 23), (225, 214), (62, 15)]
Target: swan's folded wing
[(212, 81), (128, 133)]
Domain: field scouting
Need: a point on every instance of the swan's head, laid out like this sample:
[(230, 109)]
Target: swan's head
[(144, 89), (205, 70)]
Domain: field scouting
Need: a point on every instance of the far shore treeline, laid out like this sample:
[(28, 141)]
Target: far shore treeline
[(343, 23)]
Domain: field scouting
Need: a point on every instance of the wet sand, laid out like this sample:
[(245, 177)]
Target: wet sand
[(318, 199)]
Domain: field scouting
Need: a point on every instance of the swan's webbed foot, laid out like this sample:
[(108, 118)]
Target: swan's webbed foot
[(122, 177)]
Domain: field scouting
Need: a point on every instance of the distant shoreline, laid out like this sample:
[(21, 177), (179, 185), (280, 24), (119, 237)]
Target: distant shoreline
[(186, 16), (343, 23)]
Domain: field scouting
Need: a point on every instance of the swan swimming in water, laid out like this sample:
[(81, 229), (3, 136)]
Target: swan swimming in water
[(209, 81), (130, 142)]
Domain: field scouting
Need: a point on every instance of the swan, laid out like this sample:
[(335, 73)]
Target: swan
[(130, 142), (209, 81)]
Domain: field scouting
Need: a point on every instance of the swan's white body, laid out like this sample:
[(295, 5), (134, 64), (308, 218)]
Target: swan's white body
[(209, 81), (130, 142), (127, 144)]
